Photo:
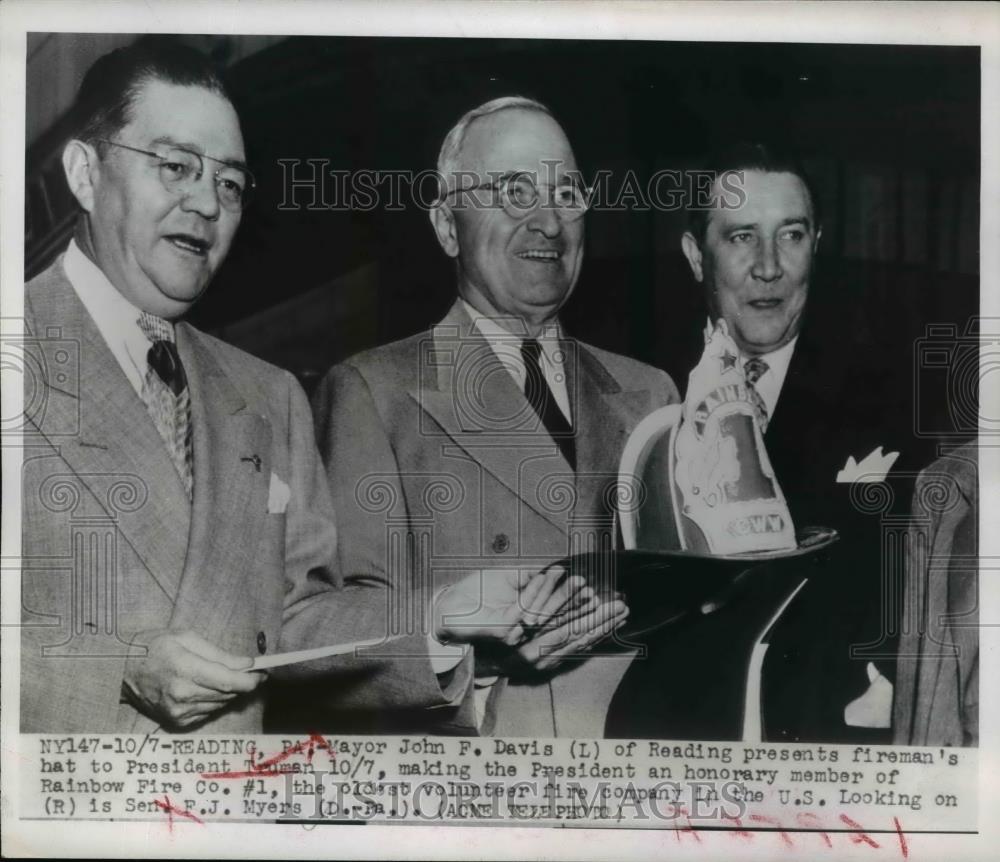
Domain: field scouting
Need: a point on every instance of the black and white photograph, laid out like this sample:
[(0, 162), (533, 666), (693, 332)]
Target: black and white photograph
[(568, 418)]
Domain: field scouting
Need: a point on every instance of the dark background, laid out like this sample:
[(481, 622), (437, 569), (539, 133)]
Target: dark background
[(890, 133)]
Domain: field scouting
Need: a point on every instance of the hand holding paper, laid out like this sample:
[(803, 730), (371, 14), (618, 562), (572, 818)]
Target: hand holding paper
[(182, 679), (547, 613)]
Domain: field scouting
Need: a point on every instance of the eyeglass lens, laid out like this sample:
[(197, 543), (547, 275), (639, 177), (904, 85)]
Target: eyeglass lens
[(180, 169), (521, 194)]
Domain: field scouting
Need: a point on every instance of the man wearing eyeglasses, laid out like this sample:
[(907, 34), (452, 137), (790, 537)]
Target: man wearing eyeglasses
[(491, 443), (176, 521)]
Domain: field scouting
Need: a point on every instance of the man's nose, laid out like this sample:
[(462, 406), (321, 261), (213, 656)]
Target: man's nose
[(767, 264), (546, 219), (202, 197)]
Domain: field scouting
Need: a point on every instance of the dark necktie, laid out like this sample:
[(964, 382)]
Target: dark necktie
[(165, 393), (543, 402), (754, 368)]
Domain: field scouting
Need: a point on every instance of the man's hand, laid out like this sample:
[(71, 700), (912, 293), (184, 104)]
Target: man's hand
[(537, 620), (572, 634), (499, 604), (183, 679)]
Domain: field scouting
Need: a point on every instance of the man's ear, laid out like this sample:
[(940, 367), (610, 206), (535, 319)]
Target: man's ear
[(80, 164), (692, 251), (819, 233), (443, 220)]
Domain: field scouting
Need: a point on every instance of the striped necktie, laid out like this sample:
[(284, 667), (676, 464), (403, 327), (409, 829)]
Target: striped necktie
[(754, 368), (165, 393)]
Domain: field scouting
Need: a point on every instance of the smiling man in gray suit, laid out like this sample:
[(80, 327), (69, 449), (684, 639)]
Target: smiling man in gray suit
[(176, 520), (492, 442)]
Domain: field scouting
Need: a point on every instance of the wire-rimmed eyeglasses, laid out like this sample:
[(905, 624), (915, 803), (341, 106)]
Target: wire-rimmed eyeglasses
[(519, 195), (180, 169)]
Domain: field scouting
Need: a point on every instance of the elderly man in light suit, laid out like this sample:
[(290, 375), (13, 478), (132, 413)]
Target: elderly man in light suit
[(176, 519), (492, 442)]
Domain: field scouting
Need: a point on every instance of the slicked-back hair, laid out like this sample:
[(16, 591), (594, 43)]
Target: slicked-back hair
[(751, 156), (450, 156), (112, 84)]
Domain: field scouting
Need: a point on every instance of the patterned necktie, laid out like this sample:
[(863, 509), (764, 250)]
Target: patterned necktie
[(540, 397), (754, 368), (165, 393)]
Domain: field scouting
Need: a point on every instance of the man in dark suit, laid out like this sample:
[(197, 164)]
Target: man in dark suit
[(835, 390), (176, 520), (491, 443)]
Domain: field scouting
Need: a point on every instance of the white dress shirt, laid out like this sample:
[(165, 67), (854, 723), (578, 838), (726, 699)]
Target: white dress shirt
[(114, 316), (507, 347)]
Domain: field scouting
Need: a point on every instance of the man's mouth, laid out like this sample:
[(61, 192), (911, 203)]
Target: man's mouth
[(190, 244), (764, 304), (545, 255)]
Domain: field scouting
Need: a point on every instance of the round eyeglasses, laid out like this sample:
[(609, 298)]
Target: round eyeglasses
[(180, 169), (519, 194)]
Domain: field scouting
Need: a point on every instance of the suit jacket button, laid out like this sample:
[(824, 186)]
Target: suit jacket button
[(261, 643), (500, 543)]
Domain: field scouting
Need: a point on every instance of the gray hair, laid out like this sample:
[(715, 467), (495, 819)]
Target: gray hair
[(451, 150)]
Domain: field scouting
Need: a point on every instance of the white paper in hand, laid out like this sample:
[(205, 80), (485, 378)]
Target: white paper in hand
[(265, 662)]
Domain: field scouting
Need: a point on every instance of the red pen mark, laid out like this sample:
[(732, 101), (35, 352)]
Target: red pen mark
[(682, 812), (760, 818), (271, 766), (811, 821), (740, 832), (860, 837), (170, 810), (902, 838)]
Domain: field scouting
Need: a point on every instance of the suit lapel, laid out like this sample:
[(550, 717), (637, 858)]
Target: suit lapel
[(603, 413), (118, 453), (814, 382), (465, 389), (470, 395), (805, 441), (230, 487)]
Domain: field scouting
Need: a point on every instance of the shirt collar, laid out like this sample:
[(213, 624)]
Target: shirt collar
[(771, 382), (778, 360), (115, 317), (498, 337)]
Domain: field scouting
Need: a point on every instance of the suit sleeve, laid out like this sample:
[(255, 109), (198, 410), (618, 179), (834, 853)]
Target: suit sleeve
[(361, 471), (937, 678), (323, 604)]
